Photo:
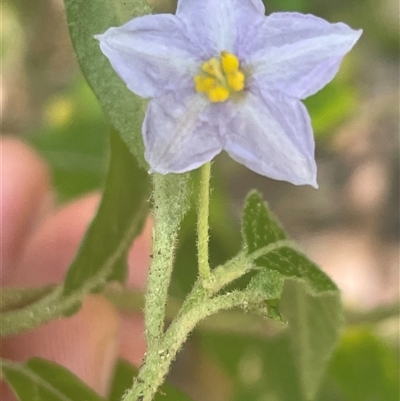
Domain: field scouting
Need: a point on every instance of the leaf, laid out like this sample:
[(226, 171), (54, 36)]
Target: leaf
[(118, 221), (259, 228), (365, 367), (292, 263), (315, 323), (42, 380), (87, 18), (123, 380), (309, 300), (261, 368)]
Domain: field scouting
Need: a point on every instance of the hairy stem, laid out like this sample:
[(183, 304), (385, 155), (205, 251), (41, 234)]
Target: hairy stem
[(149, 379), (166, 212), (202, 223)]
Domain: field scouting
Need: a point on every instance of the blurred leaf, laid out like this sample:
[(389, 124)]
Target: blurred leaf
[(123, 380), (118, 221), (42, 380), (124, 110), (365, 368), (73, 140), (315, 322), (287, 5), (260, 368)]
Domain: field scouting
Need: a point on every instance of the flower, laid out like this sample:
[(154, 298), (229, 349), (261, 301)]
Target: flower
[(222, 76)]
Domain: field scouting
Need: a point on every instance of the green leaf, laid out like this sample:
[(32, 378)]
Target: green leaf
[(309, 300), (259, 228), (87, 18), (118, 221), (123, 379), (315, 323), (261, 367), (41, 380), (291, 263), (365, 367)]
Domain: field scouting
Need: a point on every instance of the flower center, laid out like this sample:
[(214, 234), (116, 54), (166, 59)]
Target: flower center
[(219, 78)]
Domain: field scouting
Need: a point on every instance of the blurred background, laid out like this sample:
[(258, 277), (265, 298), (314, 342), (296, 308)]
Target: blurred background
[(349, 226)]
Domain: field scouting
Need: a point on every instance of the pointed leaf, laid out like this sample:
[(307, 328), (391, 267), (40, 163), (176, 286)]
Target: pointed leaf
[(87, 18), (260, 227), (41, 380)]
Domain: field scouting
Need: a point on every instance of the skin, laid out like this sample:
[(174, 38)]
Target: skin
[(38, 242)]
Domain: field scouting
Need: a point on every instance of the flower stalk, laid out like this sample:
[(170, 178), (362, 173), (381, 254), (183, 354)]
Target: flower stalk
[(202, 223)]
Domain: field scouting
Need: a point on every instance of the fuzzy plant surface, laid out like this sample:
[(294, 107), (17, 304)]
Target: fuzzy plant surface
[(179, 89)]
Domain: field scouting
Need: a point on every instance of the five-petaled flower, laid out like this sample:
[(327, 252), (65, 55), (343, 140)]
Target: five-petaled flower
[(222, 76)]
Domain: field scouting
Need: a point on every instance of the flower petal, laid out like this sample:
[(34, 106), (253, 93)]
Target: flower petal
[(152, 54), (219, 23), (298, 54), (271, 134), (181, 132)]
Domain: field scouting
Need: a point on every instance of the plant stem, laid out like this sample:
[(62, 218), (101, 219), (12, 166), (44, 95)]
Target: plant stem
[(202, 223), (165, 231), (150, 378)]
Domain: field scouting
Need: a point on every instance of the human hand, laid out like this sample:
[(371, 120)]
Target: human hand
[(38, 242)]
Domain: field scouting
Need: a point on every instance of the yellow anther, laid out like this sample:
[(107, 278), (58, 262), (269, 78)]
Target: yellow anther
[(220, 77), (236, 81), (204, 84), (212, 67), (218, 94), (230, 63)]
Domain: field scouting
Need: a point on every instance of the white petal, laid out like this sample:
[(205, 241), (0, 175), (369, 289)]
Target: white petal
[(298, 54), (271, 134), (181, 132), (152, 54), (219, 23)]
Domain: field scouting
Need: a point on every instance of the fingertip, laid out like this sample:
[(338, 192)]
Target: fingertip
[(54, 245), (25, 199), (86, 343)]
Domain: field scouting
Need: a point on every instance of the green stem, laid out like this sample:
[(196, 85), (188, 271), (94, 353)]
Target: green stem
[(164, 238), (157, 361), (202, 223)]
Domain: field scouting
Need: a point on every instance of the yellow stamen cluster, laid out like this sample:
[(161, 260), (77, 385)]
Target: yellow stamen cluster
[(220, 77)]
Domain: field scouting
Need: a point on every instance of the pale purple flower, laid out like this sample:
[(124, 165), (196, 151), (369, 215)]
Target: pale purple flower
[(257, 117)]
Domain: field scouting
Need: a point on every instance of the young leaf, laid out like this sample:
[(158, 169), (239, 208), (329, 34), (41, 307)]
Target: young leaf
[(41, 380), (310, 301), (315, 323), (118, 221), (87, 18), (123, 379), (292, 263), (259, 228)]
